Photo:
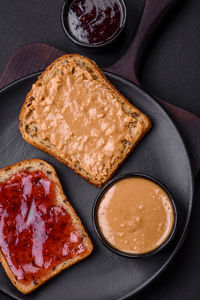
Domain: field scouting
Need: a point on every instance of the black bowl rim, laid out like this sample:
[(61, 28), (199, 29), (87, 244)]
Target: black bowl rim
[(108, 42), (98, 231)]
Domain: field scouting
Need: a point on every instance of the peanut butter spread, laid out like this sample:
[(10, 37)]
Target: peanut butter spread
[(135, 215), (82, 119)]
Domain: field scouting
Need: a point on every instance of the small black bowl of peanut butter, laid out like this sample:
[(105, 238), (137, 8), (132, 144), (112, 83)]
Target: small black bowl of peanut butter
[(134, 215)]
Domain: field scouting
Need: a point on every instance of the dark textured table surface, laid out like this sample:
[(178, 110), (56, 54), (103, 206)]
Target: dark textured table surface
[(170, 70)]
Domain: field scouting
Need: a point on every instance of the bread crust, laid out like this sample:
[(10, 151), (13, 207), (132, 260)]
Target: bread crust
[(37, 164), (144, 119)]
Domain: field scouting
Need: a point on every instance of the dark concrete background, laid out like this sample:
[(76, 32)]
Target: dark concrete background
[(170, 70)]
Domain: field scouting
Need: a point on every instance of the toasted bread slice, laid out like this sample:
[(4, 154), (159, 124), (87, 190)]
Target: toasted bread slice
[(61, 204), (75, 114)]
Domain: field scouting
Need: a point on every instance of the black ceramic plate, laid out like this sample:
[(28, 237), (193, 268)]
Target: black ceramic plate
[(161, 154)]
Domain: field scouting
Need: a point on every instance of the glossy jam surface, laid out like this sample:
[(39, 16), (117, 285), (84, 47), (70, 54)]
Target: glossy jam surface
[(35, 234), (94, 21), (135, 215)]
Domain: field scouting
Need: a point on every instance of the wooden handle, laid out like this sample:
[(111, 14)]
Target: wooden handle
[(127, 66)]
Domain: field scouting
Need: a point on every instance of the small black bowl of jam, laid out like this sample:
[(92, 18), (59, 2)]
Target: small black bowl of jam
[(93, 23)]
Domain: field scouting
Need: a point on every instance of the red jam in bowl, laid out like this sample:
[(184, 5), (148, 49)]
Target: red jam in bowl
[(94, 21), (36, 234)]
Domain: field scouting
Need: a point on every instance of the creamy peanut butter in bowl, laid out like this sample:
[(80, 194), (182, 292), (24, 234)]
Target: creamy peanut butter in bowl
[(134, 215)]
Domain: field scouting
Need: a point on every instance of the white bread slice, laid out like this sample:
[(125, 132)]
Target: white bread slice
[(61, 200), (138, 124)]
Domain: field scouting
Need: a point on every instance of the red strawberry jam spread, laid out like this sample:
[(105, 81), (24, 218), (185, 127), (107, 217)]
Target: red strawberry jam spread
[(35, 234), (94, 21)]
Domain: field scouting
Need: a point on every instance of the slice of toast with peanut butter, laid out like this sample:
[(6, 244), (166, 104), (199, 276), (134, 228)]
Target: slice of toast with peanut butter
[(75, 114)]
